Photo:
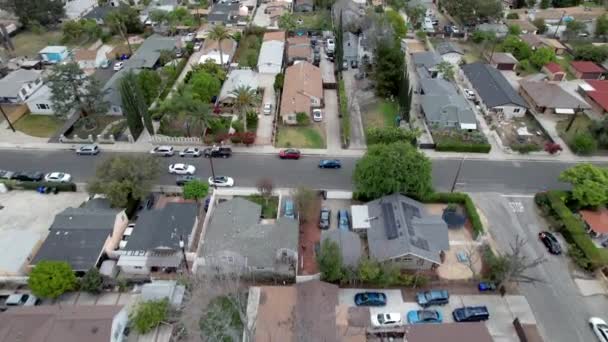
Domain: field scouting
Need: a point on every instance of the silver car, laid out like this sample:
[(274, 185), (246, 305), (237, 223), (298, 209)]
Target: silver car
[(88, 150)]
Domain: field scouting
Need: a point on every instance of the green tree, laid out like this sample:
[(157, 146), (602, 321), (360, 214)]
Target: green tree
[(117, 21), (472, 10), (195, 189), (397, 22), (149, 314), (415, 15), (583, 143), (601, 25), (574, 28), (72, 90), (185, 104), (515, 30), (134, 105), (125, 178), (447, 70), (211, 68), (219, 33), (590, 52), (388, 69), (92, 281), (287, 22), (51, 279), (404, 170), (205, 86), (589, 184), (245, 98), (389, 135), (540, 25), (339, 43), (149, 82), (405, 95), (368, 270), (330, 261), (542, 56), (520, 49), (278, 82), (35, 12)]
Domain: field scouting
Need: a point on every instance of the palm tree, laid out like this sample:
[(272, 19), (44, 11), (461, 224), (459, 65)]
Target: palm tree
[(219, 33), (117, 21), (184, 104), (245, 97)]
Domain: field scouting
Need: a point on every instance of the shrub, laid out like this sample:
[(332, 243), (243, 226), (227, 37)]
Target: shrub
[(248, 138), (148, 315), (552, 148), (92, 281), (525, 148), (388, 135), (302, 118), (344, 115), (583, 143), (171, 80), (238, 126), (579, 258), (513, 16), (461, 198), (252, 121), (236, 139), (49, 185), (454, 146)]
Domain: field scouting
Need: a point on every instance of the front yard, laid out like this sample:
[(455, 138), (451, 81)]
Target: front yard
[(383, 114), (41, 126), (315, 20), (521, 134), (98, 124), (310, 136)]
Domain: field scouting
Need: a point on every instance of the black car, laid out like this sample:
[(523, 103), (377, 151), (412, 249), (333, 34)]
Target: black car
[(185, 179), (471, 314), (218, 152), (330, 164), (325, 218), (28, 176), (354, 64), (550, 242)]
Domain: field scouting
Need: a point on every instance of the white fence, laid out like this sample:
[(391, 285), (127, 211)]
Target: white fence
[(162, 139)]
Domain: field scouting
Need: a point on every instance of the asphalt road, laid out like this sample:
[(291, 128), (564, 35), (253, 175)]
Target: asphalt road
[(509, 177)]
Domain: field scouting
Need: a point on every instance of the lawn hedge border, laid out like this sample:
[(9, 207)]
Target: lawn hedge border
[(463, 199), (463, 147), (17, 185), (344, 115)]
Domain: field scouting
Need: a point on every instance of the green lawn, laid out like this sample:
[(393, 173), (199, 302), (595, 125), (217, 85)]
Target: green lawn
[(248, 50), (29, 44), (315, 20), (384, 114), (302, 137), (270, 209), (42, 126)]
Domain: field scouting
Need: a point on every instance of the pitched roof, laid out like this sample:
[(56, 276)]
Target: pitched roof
[(596, 219), (503, 58), (524, 24), (223, 12), (447, 47), (427, 59), (302, 80), (403, 226), (271, 53), (349, 243), (454, 332), (586, 67), (299, 48), (552, 95), (275, 35), (599, 93), (553, 67), (532, 39), (554, 43), (492, 86), (12, 83), (237, 78), (58, 323)]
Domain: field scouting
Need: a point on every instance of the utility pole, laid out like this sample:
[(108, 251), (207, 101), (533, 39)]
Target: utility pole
[(559, 24), (6, 118)]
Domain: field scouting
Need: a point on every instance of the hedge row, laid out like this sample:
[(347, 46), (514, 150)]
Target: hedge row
[(452, 146), (11, 184), (345, 116), (460, 198)]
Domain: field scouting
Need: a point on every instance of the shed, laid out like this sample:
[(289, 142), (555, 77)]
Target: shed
[(503, 61), (54, 54)]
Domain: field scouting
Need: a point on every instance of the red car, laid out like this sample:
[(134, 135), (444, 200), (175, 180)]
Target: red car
[(289, 153)]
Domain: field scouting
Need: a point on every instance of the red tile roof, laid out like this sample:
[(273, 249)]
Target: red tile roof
[(597, 220), (554, 67), (600, 92), (586, 66)]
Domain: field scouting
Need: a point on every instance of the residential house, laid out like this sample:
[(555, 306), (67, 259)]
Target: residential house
[(99, 14), (270, 60), (535, 41), (443, 107), (19, 85), (449, 52), (595, 92), (426, 63), (495, 92), (349, 243), (555, 45), (302, 91), (586, 70), (275, 10), (64, 323), (456, 332), (164, 289), (54, 54), (155, 243), (40, 101), (236, 240), (236, 78), (303, 5), (596, 222), (274, 35), (551, 98), (250, 4), (76, 9), (81, 236), (224, 13), (211, 51), (554, 72), (501, 30), (299, 49), (525, 25), (402, 232), (503, 61), (86, 58), (350, 47)]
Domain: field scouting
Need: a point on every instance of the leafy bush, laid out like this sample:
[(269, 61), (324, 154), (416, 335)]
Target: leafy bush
[(525, 148), (344, 115), (92, 281), (553, 148), (579, 258), (252, 121), (51, 279), (50, 185), (238, 126), (149, 314), (236, 139), (583, 143), (302, 118), (173, 77), (460, 198), (512, 15), (454, 146), (388, 135), (278, 82), (195, 189)]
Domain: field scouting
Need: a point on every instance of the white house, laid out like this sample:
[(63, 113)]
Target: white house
[(271, 57), (40, 102), (19, 85), (211, 51)]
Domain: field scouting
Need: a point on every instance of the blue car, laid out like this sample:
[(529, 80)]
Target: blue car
[(343, 220), (290, 210), (330, 164), (432, 297), (370, 299), (424, 316)]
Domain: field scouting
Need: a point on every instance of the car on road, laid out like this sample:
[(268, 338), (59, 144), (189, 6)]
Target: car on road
[(600, 328), (432, 297), (182, 169), (471, 314), (181, 180), (22, 299), (290, 153), (217, 152), (370, 299), (5, 174), (290, 209), (88, 150), (317, 115), (118, 66), (221, 181), (197, 46), (324, 218), (330, 164), (165, 151), (59, 177), (190, 152), (385, 320), (424, 316), (550, 241), (343, 220), (28, 176), (267, 109)]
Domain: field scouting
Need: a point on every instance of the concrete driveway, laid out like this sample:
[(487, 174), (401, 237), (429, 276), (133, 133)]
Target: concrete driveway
[(357, 133), (265, 122), (261, 19), (335, 205), (332, 121)]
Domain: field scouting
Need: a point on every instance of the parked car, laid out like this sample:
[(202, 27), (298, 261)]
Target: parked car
[(267, 108), (105, 64), (424, 316), (290, 153), (22, 299), (324, 218), (290, 210), (217, 152), (317, 115), (600, 328), (343, 219), (182, 169), (198, 46), (190, 152), (165, 151), (330, 164), (181, 180), (345, 65), (471, 314), (118, 66), (58, 177), (432, 297), (485, 286), (331, 45), (469, 94), (370, 299), (386, 319), (88, 150), (354, 64), (221, 181), (550, 241), (149, 201), (4, 174), (28, 176)]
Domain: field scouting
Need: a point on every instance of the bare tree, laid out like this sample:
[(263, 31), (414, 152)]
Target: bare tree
[(473, 258), (514, 265), (265, 187), (305, 202)]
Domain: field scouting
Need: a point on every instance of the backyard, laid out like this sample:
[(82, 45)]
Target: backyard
[(314, 20), (248, 50), (269, 208), (311, 136), (28, 43), (381, 114), (41, 126)]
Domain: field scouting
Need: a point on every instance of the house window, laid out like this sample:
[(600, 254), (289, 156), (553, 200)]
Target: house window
[(43, 106), (137, 267), (23, 91), (516, 110)]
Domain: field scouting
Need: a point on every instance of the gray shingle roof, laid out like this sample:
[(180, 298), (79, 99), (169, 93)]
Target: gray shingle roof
[(447, 47), (442, 103), (221, 12), (12, 83), (492, 86), (551, 95), (402, 226), (85, 219), (427, 59), (349, 243)]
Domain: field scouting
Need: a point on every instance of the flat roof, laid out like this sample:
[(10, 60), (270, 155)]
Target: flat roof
[(360, 215)]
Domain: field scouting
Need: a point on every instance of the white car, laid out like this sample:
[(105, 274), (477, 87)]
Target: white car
[(198, 46), (118, 66), (189, 37), (386, 319), (221, 181), (317, 115), (59, 177), (331, 45), (182, 169), (190, 152), (267, 108), (469, 94), (600, 328), (165, 151)]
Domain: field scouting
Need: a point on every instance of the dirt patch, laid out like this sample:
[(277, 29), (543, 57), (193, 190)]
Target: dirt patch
[(310, 236), (518, 131)]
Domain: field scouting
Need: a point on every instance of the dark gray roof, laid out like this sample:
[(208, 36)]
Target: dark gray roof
[(160, 229), (436, 86), (402, 226), (80, 248), (98, 203), (85, 219), (351, 46), (447, 47), (99, 12), (223, 13), (492, 86), (349, 243), (427, 59), (12, 83), (442, 103)]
